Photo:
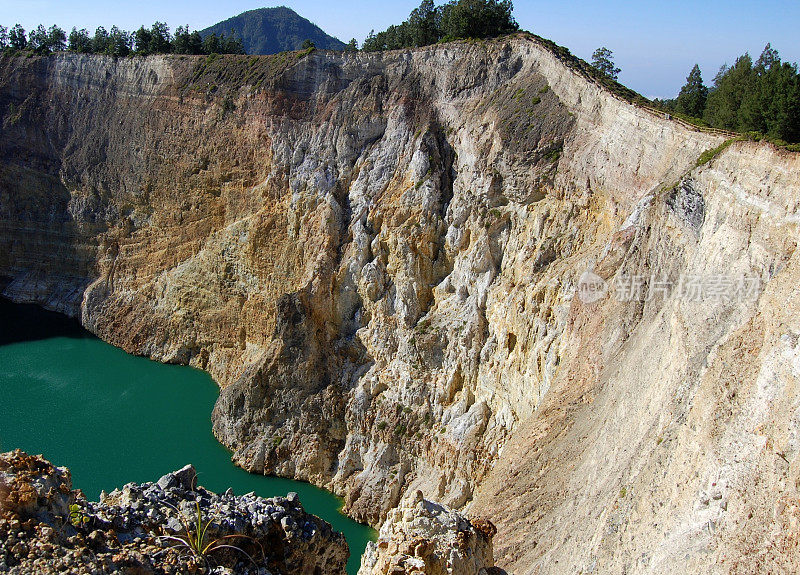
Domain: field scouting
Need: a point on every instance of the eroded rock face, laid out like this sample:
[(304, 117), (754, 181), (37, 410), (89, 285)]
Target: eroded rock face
[(676, 412), (422, 537), (378, 258), (46, 527)]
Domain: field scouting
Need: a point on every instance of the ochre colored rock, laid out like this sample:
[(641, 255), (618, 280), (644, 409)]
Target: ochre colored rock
[(406, 271)]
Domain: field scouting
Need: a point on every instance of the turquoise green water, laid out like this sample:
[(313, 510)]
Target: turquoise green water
[(113, 418)]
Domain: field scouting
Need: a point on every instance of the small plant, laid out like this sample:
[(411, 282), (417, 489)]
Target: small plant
[(227, 105), (195, 540), (623, 492), (14, 113), (382, 425), (400, 429), (77, 517), (553, 154)]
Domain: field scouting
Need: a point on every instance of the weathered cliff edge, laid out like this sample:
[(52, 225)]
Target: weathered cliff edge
[(377, 255), (46, 527)]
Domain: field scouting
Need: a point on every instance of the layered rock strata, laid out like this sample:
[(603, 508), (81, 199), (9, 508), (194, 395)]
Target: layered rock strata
[(379, 257)]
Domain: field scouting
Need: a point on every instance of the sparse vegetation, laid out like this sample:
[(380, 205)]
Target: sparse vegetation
[(712, 153), (116, 42), (237, 70), (195, 540), (553, 153)]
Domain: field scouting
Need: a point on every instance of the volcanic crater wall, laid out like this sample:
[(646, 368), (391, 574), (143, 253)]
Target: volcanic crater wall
[(377, 257)]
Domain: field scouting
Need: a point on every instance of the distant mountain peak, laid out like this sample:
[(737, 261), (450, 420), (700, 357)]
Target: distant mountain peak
[(273, 30)]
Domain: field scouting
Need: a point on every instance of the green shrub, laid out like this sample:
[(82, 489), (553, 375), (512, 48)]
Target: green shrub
[(712, 153), (77, 517)]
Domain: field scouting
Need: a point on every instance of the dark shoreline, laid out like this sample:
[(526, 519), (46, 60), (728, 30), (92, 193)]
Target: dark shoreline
[(32, 322)]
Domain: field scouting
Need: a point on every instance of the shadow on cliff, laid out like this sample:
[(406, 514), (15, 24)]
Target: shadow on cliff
[(28, 322)]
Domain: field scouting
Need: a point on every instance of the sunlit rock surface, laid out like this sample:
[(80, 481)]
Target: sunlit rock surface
[(379, 258)]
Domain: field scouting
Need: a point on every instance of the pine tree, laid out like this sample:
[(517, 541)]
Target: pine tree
[(477, 19), (692, 98), (101, 43), (187, 42), (160, 39), (603, 61), (119, 42), (141, 39), (423, 24), (730, 86), (211, 44), (79, 41), (769, 58), (17, 38), (372, 43), (782, 102), (37, 40)]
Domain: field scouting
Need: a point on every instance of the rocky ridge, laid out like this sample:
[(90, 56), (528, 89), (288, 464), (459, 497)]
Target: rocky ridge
[(46, 527), (422, 537), (378, 257)]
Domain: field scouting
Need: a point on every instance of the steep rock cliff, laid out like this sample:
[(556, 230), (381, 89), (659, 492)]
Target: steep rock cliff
[(379, 258)]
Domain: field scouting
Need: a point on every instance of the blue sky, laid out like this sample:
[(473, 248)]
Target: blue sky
[(654, 42)]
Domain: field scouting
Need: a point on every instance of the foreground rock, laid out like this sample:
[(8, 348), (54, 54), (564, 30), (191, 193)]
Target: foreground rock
[(422, 537), (130, 530)]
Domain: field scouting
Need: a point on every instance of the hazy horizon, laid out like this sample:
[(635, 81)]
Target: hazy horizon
[(655, 45)]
